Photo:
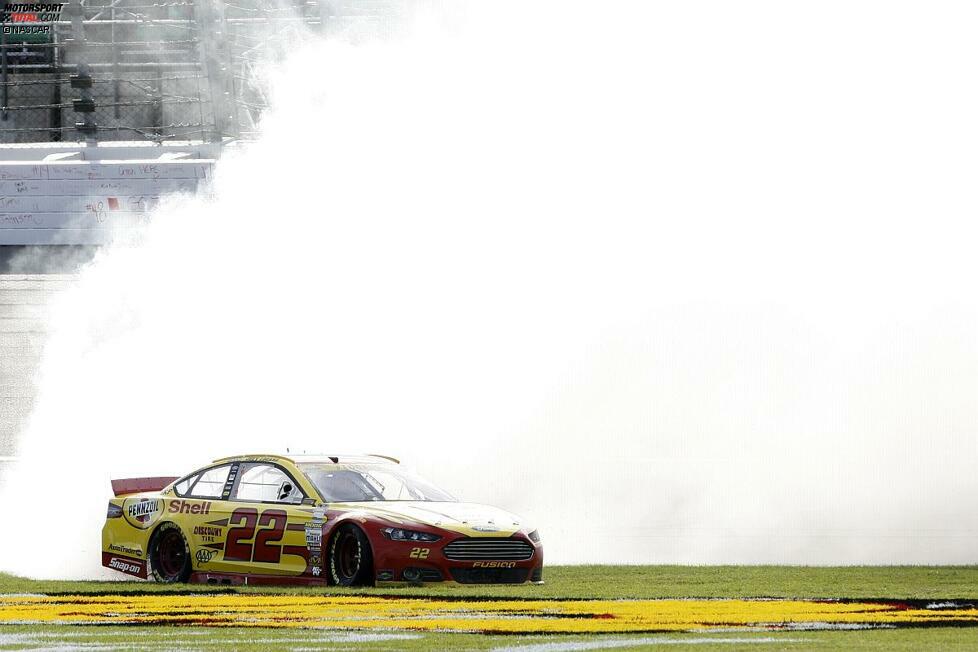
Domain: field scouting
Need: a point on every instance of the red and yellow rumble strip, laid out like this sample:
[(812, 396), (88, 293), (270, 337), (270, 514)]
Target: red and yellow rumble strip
[(503, 616)]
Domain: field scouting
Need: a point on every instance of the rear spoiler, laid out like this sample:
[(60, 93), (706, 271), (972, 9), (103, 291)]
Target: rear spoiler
[(139, 485)]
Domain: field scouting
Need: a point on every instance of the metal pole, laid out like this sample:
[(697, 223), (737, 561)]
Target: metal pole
[(326, 13), (57, 117), (116, 84), (3, 75), (228, 86), (87, 125), (211, 26)]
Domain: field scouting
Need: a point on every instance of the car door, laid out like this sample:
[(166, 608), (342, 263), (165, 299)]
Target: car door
[(266, 523), (201, 510)]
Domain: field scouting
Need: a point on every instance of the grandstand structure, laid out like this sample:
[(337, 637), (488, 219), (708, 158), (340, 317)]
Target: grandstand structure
[(107, 106), (158, 70)]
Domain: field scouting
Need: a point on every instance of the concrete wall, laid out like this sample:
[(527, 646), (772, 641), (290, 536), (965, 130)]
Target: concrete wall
[(69, 194)]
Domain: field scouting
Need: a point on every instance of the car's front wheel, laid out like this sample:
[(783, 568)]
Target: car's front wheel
[(169, 555), (350, 558)]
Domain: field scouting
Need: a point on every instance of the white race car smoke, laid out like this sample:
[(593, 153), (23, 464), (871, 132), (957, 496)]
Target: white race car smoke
[(681, 282)]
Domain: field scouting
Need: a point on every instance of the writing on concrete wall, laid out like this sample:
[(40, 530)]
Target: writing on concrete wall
[(87, 202)]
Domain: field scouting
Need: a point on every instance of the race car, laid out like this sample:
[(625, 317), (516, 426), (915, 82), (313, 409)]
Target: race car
[(340, 519)]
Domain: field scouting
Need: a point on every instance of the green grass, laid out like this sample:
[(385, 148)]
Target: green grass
[(925, 582), (197, 638), (562, 582)]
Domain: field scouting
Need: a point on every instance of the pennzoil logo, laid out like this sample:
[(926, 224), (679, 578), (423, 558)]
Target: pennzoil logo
[(142, 512), (494, 564)]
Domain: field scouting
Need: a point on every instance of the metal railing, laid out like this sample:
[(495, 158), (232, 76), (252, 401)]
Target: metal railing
[(168, 70)]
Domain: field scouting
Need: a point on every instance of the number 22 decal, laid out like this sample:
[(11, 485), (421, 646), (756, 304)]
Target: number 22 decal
[(264, 549)]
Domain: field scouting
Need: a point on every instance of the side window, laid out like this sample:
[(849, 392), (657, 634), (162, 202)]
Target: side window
[(266, 483), (183, 486), (210, 484)]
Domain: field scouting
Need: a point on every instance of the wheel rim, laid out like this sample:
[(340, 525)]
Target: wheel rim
[(172, 554), (348, 554)]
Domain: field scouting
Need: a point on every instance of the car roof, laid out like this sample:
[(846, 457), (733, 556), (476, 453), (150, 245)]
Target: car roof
[(311, 459)]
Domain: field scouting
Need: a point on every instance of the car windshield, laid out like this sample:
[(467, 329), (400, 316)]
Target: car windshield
[(374, 482)]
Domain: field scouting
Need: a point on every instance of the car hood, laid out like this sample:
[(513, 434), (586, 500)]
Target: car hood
[(470, 519)]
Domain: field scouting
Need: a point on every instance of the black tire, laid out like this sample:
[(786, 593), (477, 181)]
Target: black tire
[(169, 555), (351, 560)]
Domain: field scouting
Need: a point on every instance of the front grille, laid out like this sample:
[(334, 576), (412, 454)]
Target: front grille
[(479, 549), (489, 575)]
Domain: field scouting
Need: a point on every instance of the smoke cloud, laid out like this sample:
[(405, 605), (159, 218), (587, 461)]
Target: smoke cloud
[(679, 282)]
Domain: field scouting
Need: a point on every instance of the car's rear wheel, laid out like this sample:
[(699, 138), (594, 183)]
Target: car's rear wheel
[(350, 557), (169, 554)]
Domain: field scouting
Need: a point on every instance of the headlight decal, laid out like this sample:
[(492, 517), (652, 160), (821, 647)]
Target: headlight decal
[(401, 534)]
